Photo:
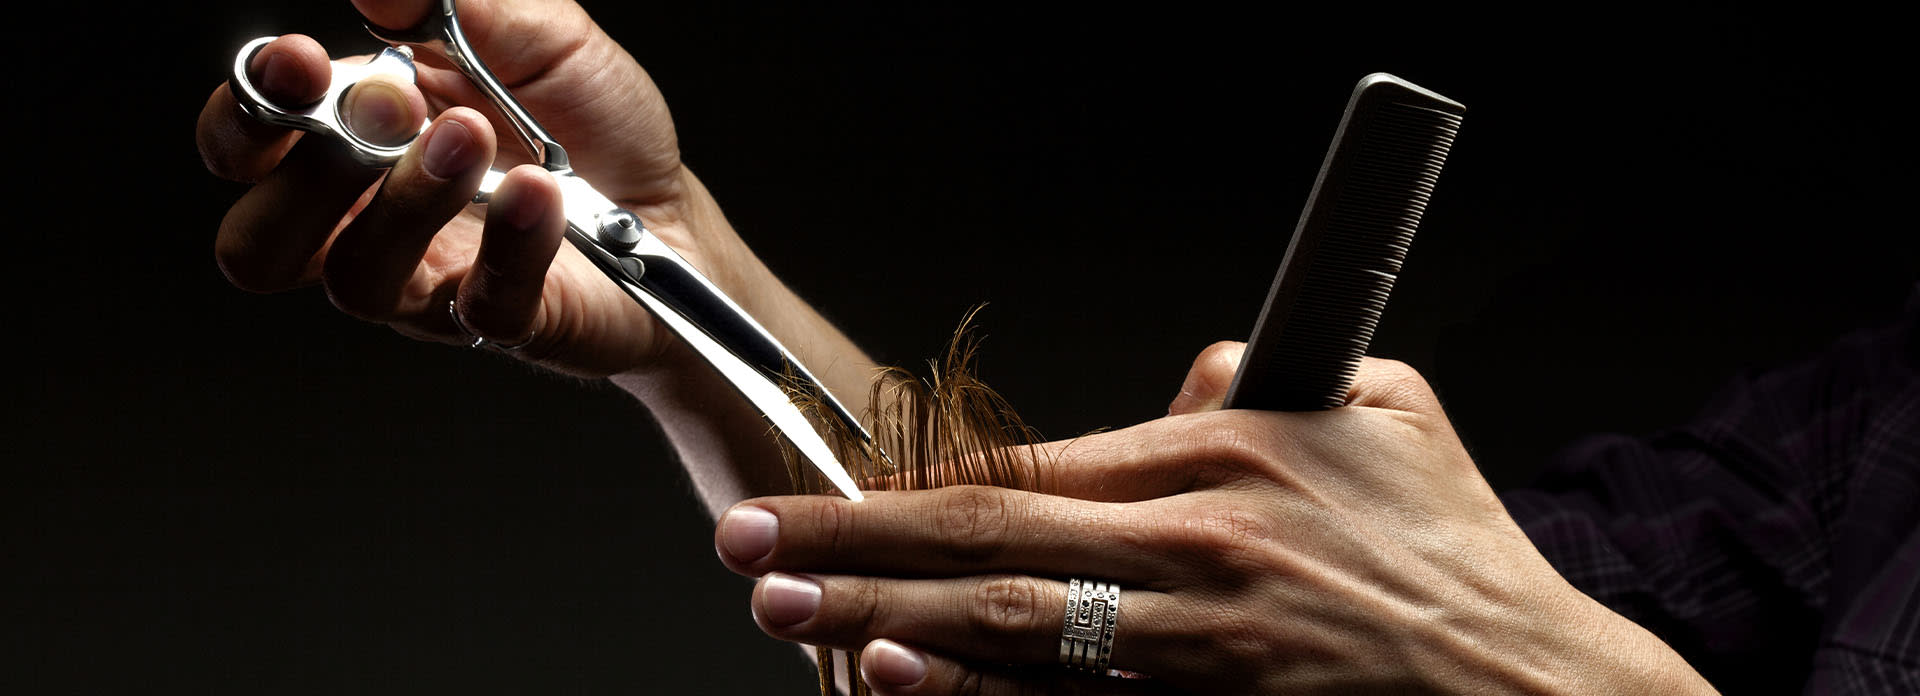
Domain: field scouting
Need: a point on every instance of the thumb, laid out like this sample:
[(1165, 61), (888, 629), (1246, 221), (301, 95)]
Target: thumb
[(1205, 388), (583, 87), (518, 40), (395, 14), (1394, 385)]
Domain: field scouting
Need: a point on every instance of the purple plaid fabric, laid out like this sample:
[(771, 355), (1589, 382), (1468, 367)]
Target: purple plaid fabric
[(1775, 541)]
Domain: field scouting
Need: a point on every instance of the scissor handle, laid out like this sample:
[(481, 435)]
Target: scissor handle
[(439, 33), (744, 353), (327, 116)]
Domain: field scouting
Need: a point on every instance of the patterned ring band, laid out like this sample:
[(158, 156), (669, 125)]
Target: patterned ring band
[(1086, 636), (479, 341)]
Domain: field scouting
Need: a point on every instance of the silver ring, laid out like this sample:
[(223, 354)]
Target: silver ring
[(479, 341), (1086, 636)]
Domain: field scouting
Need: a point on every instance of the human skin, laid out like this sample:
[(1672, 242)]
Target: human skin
[(396, 249), (1353, 548), (1356, 549)]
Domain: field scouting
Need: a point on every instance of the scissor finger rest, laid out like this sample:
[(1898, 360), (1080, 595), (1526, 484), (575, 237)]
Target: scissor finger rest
[(742, 352), (328, 116)]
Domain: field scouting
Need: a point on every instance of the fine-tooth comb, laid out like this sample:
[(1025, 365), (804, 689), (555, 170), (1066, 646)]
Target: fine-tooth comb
[(1348, 248)]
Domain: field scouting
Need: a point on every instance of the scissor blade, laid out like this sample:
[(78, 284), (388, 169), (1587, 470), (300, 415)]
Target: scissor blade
[(701, 316)]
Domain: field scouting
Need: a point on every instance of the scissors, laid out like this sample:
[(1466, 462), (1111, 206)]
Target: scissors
[(745, 354)]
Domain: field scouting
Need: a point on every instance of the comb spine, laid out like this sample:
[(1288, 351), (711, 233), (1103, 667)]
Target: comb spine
[(1348, 248)]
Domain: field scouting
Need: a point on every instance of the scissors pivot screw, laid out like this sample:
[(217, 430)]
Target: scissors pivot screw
[(742, 352), (620, 230)]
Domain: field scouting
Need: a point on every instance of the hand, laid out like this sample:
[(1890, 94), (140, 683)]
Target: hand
[(1257, 552), (397, 249)]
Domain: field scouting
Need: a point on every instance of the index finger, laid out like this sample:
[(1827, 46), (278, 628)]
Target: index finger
[(1120, 466)]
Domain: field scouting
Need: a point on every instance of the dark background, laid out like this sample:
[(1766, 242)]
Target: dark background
[(210, 491)]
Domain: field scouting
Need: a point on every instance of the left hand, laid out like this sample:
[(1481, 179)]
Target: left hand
[(1257, 552)]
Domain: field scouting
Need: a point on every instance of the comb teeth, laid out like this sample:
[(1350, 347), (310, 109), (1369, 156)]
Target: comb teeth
[(1351, 244)]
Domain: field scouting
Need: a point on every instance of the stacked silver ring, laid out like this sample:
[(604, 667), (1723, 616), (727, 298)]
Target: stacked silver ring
[(1086, 636), (459, 322)]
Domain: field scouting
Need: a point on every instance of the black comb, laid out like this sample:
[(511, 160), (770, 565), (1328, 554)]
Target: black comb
[(1348, 248)]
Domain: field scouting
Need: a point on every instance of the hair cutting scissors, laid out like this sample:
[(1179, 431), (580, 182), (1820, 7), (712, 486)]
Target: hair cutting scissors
[(745, 354)]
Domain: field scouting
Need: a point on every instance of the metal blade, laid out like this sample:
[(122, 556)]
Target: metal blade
[(737, 347), (745, 354)]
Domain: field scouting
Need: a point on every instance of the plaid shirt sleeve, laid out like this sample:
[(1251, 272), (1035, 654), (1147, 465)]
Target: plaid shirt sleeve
[(1775, 541)]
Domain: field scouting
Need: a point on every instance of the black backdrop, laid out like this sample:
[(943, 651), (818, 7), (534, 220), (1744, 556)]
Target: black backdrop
[(210, 491)]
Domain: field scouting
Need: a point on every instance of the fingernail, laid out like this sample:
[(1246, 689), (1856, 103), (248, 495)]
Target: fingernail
[(747, 533), (786, 600), (892, 664), (378, 113), (1182, 403), (450, 150)]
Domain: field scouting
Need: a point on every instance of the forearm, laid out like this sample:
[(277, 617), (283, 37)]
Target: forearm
[(722, 441)]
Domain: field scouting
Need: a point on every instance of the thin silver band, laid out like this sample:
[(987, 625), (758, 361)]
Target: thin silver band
[(479, 341), (1086, 634)]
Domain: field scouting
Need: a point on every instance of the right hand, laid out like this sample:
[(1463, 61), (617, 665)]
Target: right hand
[(396, 249)]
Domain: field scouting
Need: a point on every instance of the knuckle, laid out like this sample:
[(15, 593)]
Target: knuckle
[(832, 523), (240, 263), (869, 609), (1230, 445), (1231, 528), (1393, 369), (240, 274), (351, 299), (1225, 542), (971, 683), (1242, 639), (1214, 532), (212, 133), (218, 165), (1007, 606), (1393, 384), (1220, 360), (353, 293), (976, 519)]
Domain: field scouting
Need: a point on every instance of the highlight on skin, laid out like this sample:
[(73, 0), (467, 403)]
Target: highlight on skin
[(947, 429)]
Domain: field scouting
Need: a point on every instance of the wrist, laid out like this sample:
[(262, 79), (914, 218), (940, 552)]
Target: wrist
[(718, 437), (696, 225), (1625, 658), (1552, 638)]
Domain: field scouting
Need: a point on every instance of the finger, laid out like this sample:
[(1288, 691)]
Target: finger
[(551, 55), (268, 239), (522, 43), (1119, 466), (292, 70), (499, 298), (1004, 619), (373, 268), (1393, 385), (1205, 387), (396, 14), (1156, 459), (893, 669), (959, 530), (535, 50)]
